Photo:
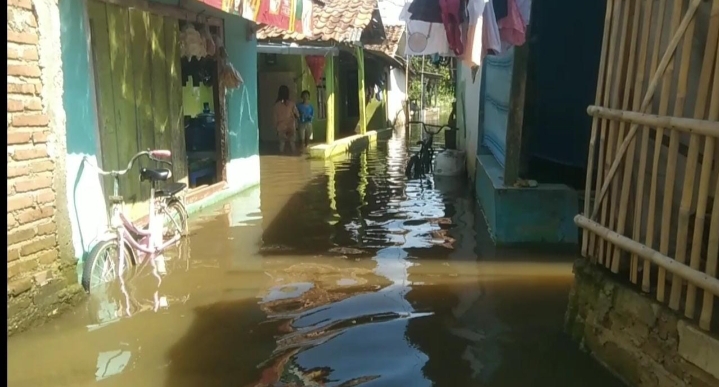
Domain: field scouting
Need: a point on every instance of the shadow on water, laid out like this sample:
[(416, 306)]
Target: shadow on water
[(332, 273)]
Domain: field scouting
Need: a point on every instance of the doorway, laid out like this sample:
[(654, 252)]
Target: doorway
[(202, 118), (270, 83)]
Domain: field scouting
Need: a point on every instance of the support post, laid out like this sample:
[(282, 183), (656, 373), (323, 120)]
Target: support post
[(406, 92), (515, 120), (359, 54), (330, 88)]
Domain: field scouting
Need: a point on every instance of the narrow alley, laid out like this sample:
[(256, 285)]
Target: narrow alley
[(358, 277)]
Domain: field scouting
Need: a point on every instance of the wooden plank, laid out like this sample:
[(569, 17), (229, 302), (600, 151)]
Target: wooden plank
[(641, 173), (588, 239), (691, 163), (159, 68), (97, 13), (702, 280), (516, 115), (710, 50), (118, 22), (609, 76), (652, 202), (140, 52), (616, 132), (174, 93), (620, 195), (686, 125), (672, 152)]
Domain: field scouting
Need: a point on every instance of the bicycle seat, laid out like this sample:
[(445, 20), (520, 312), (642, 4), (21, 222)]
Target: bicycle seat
[(170, 189), (161, 174)]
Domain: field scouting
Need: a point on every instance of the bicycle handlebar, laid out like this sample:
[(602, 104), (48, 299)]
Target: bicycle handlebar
[(424, 127), (154, 155)]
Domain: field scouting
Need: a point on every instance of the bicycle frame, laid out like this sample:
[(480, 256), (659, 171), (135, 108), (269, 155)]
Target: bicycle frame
[(426, 151)]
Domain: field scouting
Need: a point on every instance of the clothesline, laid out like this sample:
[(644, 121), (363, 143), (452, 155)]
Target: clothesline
[(467, 29)]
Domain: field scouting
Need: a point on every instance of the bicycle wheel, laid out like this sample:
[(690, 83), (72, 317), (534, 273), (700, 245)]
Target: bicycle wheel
[(103, 264), (175, 219)]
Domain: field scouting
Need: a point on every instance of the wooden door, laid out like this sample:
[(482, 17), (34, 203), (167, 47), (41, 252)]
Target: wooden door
[(139, 93)]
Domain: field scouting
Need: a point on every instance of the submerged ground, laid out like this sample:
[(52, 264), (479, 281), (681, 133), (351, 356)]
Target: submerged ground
[(330, 273)]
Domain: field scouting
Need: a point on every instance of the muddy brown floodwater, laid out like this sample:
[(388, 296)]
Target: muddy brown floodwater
[(329, 274)]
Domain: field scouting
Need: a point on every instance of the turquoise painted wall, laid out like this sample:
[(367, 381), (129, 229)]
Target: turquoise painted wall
[(242, 118), (84, 191)]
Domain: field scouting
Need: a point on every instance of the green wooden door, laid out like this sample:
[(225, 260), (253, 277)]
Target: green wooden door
[(139, 93)]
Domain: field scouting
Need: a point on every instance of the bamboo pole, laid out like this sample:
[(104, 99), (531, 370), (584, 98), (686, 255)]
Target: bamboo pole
[(686, 125), (652, 204), (603, 144), (705, 177), (593, 136), (671, 164), (691, 164), (610, 134), (638, 88), (712, 257), (625, 186), (702, 280), (614, 136), (668, 55)]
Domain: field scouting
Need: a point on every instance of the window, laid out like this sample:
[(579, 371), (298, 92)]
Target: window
[(321, 100)]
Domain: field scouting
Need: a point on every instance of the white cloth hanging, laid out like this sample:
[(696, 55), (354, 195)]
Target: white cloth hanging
[(473, 45), (435, 32), (491, 30)]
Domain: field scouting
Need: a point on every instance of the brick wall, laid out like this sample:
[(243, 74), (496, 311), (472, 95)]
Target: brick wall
[(39, 281)]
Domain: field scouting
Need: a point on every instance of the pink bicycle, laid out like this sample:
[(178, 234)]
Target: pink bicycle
[(125, 244)]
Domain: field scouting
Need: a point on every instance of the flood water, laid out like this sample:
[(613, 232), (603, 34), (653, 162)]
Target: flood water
[(329, 274)]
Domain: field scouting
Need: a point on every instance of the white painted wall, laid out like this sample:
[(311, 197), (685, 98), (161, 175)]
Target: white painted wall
[(396, 95), (467, 95)]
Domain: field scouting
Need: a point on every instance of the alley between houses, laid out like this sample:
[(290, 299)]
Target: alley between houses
[(337, 273)]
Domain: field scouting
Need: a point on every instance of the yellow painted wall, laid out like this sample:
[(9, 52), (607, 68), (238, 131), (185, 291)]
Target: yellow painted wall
[(194, 97)]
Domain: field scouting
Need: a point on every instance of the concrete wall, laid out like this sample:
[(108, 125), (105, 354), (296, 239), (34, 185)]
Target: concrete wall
[(85, 196), (396, 95), (468, 97), (243, 170), (40, 264), (640, 340)]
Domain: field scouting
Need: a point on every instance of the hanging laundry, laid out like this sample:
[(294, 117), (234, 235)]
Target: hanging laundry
[(426, 10), (525, 8), (431, 35), (500, 9), (512, 29), (491, 42), (473, 43), (451, 11)]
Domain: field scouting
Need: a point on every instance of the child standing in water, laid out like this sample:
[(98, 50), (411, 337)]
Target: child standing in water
[(286, 115), (307, 114)]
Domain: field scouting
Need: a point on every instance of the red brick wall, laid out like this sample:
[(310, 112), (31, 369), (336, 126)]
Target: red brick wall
[(34, 269)]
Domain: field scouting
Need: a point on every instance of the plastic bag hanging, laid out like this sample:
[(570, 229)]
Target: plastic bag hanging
[(316, 63), (209, 40), (229, 76), (192, 44)]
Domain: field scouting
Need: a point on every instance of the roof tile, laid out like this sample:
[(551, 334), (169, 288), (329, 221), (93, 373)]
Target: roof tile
[(336, 20), (391, 44)]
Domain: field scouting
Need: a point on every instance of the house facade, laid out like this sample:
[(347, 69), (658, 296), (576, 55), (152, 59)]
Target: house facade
[(92, 83), (350, 87)]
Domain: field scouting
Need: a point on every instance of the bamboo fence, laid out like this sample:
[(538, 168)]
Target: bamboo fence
[(651, 206)]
